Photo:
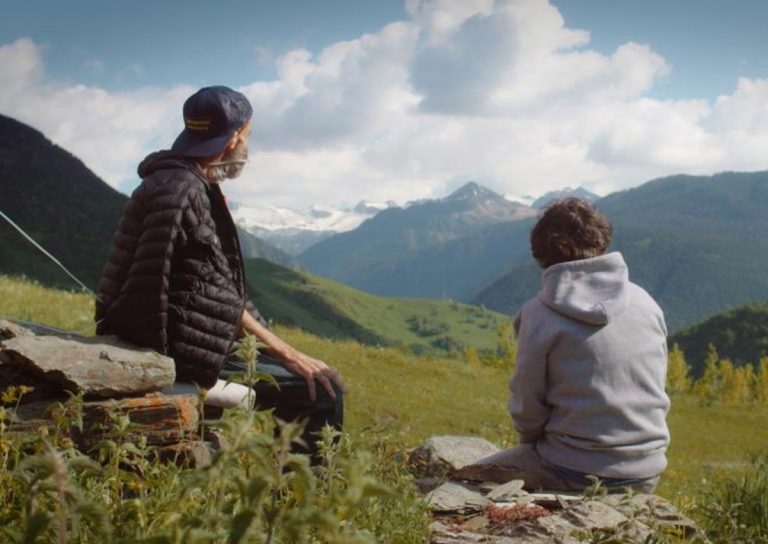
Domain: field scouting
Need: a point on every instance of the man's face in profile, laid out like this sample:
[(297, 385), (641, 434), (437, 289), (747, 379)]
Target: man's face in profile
[(233, 161)]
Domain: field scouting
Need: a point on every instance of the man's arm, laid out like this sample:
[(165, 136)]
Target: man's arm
[(309, 368), (528, 387)]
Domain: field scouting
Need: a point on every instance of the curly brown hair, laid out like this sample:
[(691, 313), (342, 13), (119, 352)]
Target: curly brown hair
[(569, 229)]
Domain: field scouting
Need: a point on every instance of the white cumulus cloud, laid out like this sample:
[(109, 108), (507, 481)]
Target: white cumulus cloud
[(503, 92)]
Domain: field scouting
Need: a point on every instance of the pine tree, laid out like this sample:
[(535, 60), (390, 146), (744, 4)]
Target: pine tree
[(678, 372)]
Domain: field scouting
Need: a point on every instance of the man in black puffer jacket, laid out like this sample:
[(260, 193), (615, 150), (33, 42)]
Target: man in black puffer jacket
[(174, 280)]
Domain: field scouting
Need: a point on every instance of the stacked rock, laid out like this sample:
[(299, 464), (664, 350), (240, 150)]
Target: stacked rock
[(112, 377)]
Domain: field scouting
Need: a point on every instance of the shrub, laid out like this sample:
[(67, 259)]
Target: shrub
[(736, 508)]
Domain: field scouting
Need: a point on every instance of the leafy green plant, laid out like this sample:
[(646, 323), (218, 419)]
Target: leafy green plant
[(254, 490), (736, 507)]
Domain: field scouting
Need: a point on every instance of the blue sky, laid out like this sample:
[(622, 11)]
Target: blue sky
[(709, 43), (103, 43), (399, 100)]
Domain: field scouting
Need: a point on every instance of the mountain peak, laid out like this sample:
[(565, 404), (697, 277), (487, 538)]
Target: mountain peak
[(580, 192), (475, 191)]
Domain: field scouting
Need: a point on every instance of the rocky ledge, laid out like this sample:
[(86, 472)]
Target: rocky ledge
[(112, 379), (467, 508)]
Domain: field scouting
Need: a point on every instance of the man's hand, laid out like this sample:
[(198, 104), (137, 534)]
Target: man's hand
[(307, 367), (312, 369)]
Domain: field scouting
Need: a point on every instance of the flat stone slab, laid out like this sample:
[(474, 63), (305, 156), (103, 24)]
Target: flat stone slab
[(508, 491), (453, 497), (100, 366), (9, 329)]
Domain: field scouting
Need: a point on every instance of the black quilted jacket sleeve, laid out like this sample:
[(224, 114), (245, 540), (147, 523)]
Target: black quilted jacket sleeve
[(133, 290)]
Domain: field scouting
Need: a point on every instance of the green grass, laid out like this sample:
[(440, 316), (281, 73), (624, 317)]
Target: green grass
[(29, 301), (709, 442), (400, 399), (331, 309), (409, 399)]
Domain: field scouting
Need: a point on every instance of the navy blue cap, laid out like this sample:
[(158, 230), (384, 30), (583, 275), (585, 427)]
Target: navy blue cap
[(211, 117)]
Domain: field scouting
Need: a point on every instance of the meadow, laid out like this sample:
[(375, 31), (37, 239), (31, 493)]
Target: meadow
[(333, 310), (397, 400)]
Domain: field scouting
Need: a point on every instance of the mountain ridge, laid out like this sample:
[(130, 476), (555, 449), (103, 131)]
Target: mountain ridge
[(397, 234), (698, 244), (579, 192)]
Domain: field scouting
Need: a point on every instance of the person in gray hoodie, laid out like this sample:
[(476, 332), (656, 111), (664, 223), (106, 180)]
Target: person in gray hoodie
[(588, 394)]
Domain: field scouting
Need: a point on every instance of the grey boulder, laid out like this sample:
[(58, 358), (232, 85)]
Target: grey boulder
[(441, 455)]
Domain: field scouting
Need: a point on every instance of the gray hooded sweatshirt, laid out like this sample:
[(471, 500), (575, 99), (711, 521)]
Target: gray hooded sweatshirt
[(591, 367)]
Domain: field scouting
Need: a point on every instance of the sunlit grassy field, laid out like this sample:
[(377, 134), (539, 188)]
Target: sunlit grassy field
[(402, 399), (411, 399)]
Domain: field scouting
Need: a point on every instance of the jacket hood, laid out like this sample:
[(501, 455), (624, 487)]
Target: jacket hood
[(593, 290), (162, 160)]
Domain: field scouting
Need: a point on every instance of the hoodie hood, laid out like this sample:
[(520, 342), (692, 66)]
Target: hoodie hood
[(164, 160), (591, 290)]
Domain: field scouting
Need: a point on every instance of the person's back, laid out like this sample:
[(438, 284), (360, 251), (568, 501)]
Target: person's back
[(587, 397), (604, 403)]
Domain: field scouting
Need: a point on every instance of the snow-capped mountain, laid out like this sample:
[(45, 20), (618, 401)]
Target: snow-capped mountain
[(525, 200), (294, 231), (543, 200), (579, 192)]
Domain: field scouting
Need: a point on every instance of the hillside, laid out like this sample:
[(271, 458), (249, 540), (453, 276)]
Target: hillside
[(66, 208), (254, 247), (740, 335), (458, 268), (376, 257), (55, 198), (697, 244), (333, 310)]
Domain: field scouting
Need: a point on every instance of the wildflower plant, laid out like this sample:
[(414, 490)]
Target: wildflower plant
[(255, 489)]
